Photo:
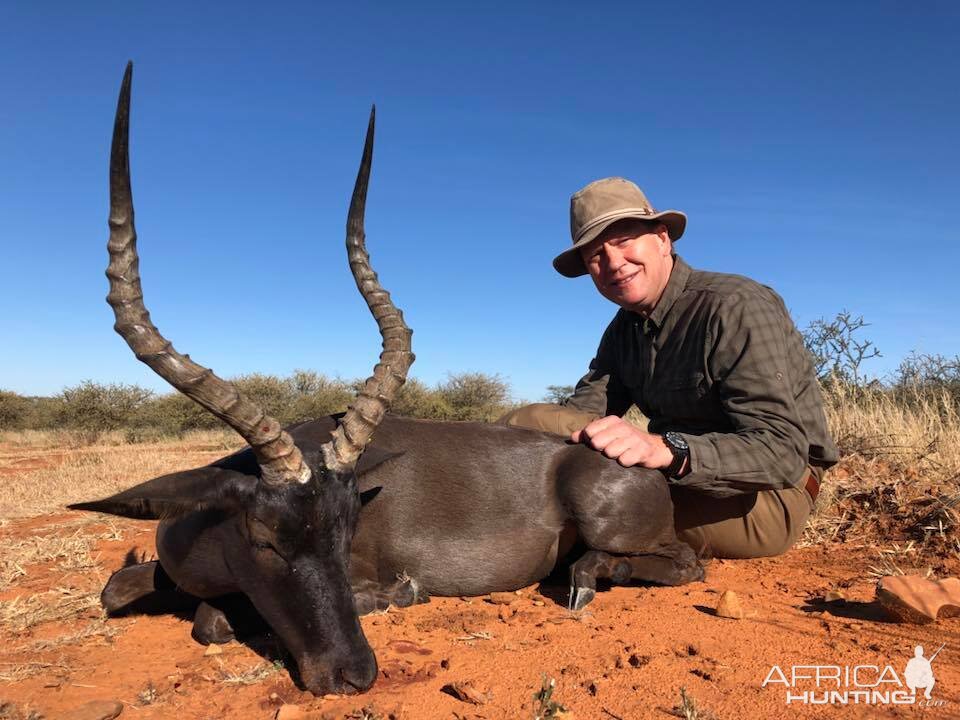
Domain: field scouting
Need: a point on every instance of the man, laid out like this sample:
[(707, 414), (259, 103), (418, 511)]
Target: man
[(736, 420)]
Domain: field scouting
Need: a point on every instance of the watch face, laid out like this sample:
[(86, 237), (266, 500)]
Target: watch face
[(675, 440)]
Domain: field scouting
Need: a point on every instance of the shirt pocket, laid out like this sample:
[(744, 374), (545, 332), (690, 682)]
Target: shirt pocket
[(683, 399)]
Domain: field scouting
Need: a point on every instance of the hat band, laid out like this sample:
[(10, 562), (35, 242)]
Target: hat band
[(620, 212)]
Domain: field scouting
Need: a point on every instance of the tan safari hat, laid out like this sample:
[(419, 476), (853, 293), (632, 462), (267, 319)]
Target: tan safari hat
[(602, 203)]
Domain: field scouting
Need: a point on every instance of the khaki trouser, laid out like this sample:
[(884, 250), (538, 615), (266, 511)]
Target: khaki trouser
[(751, 525)]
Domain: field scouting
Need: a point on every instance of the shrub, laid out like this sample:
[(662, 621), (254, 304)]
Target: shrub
[(922, 372), (14, 411), (836, 350), (475, 396), (44, 414), (93, 408), (415, 399), (175, 414), (315, 395), (558, 394), (275, 395), (90, 409)]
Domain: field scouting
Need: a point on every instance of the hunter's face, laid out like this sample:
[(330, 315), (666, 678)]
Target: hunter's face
[(630, 263)]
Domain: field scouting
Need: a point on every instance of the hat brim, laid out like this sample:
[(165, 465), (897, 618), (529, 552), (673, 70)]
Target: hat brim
[(570, 264)]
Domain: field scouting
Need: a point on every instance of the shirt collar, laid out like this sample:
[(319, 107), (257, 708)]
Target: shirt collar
[(676, 284)]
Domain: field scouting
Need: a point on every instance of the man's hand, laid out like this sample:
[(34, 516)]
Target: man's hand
[(628, 445)]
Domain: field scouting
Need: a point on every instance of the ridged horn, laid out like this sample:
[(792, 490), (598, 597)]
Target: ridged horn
[(355, 430), (279, 458)]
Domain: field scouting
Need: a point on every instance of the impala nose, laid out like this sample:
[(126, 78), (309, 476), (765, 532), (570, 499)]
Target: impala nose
[(359, 676), (354, 675)]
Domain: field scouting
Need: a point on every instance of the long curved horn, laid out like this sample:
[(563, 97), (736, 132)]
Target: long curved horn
[(279, 458), (355, 430)]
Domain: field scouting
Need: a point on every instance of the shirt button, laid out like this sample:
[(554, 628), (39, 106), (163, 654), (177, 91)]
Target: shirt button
[(779, 376)]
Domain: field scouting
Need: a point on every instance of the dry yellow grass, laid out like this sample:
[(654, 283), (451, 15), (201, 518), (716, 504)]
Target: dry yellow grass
[(249, 675), (25, 611), (923, 434), (70, 550), (15, 672), (72, 474)]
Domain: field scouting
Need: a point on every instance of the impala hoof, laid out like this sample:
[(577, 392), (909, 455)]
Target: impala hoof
[(210, 626), (580, 597)]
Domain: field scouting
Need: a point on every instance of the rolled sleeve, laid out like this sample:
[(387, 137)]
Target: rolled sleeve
[(766, 446)]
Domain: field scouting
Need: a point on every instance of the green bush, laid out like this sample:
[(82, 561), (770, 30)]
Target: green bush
[(15, 411), (44, 414), (559, 394), (273, 394), (90, 408), (95, 408), (416, 400), (475, 396), (315, 395), (175, 414)]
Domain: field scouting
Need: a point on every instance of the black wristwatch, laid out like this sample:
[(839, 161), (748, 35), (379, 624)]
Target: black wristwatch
[(681, 452)]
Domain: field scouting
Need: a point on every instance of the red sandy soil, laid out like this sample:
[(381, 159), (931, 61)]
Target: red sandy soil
[(626, 656), (29, 460)]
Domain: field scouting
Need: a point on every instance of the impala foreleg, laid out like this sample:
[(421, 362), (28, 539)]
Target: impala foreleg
[(143, 588)]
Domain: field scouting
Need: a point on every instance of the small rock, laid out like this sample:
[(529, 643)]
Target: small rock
[(502, 598), (834, 596), (213, 650), (919, 600), (506, 612), (538, 603), (729, 606), (466, 692), (97, 710), (290, 712)]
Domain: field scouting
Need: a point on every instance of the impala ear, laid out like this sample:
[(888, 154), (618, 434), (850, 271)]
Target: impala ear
[(178, 493)]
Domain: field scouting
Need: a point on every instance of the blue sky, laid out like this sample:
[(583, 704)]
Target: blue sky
[(813, 147)]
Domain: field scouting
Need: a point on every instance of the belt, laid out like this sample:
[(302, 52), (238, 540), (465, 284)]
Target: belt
[(812, 485)]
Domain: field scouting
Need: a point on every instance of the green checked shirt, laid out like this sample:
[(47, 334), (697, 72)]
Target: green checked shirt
[(720, 361)]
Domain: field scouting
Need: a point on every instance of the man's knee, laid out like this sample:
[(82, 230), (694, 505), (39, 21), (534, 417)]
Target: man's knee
[(752, 525), (552, 418)]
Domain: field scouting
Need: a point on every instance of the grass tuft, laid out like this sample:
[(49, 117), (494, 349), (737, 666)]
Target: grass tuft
[(251, 675), (62, 603)]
